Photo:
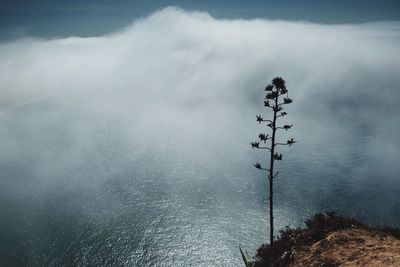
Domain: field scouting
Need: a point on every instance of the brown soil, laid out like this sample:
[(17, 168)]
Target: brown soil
[(351, 247)]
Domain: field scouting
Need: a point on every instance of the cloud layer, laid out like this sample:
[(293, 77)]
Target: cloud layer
[(172, 99)]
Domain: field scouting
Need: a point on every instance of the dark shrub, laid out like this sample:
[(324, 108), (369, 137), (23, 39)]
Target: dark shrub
[(323, 223)]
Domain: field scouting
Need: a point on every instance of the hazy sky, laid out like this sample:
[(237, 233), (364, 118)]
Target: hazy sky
[(47, 18)]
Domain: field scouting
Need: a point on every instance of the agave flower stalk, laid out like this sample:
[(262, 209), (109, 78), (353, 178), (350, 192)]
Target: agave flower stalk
[(275, 91)]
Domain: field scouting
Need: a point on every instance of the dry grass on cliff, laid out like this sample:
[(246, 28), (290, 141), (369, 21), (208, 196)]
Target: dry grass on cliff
[(333, 240), (351, 247)]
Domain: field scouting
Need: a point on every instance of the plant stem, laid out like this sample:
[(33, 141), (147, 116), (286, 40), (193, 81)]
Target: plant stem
[(270, 178)]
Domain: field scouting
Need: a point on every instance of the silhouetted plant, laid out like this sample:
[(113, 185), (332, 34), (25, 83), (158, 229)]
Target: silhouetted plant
[(323, 223), (275, 91)]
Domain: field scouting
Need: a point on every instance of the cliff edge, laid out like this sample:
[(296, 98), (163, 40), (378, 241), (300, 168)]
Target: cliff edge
[(332, 240), (351, 247)]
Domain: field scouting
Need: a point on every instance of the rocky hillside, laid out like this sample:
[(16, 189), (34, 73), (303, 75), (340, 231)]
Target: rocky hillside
[(351, 247), (333, 240)]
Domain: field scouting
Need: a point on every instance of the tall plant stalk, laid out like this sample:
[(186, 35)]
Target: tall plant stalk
[(275, 91)]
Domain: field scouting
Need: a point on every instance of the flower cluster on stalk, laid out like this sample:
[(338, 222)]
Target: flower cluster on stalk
[(274, 91)]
